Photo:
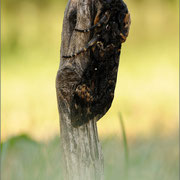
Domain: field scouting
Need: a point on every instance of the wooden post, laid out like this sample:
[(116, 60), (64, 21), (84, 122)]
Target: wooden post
[(85, 83), (82, 154)]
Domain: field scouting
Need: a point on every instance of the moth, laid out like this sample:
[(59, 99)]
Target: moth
[(93, 96)]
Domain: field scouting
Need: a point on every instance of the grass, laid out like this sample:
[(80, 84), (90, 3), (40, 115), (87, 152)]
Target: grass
[(125, 145), (150, 159)]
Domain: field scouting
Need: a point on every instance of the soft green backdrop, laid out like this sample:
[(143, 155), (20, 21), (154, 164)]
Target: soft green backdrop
[(146, 92)]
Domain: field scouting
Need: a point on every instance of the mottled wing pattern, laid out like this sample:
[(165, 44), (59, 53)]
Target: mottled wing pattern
[(93, 96)]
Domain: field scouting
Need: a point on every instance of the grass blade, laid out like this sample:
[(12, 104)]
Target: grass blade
[(126, 150)]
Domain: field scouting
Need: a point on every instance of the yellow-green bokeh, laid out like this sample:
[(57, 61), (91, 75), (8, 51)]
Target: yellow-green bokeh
[(147, 86)]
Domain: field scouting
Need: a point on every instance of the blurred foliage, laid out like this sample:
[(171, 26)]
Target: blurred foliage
[(147, 86), (23, 158)]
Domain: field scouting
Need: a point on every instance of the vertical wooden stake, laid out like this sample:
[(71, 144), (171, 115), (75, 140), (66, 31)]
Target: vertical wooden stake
[(82, 154)]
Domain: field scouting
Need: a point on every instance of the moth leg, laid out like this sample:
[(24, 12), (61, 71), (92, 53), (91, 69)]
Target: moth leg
[(96, 19), (91, 43), (97, 22)]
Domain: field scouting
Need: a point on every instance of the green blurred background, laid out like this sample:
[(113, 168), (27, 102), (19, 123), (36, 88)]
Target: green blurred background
[(146, 92)]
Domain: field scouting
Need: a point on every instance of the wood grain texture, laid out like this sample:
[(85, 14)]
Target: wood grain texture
[(82, 152)]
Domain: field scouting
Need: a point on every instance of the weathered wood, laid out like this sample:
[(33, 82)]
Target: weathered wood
[(83, 159), (85, 83)]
